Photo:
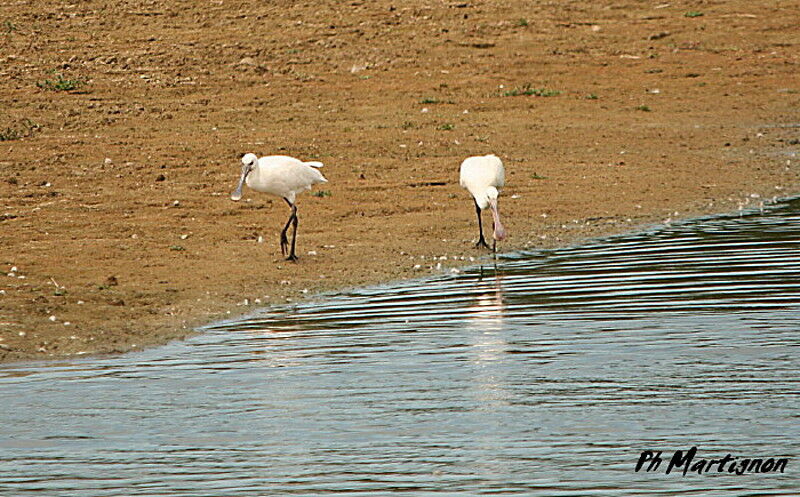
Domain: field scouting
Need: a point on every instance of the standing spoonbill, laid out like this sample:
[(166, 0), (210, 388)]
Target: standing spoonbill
[(282, 176), (483, 176)]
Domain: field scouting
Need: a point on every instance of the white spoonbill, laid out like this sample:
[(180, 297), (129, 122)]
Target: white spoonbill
[(282, 176), (483, 176)]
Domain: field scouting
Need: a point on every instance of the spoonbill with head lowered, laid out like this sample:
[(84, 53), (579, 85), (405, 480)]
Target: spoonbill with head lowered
[(282, 176), (483, 177)]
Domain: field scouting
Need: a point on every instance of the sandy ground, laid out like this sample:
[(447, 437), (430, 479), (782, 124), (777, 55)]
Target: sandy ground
[(123, 123)]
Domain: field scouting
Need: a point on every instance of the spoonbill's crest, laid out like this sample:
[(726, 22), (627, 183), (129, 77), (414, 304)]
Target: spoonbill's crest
[(284, 177), (484, 176)]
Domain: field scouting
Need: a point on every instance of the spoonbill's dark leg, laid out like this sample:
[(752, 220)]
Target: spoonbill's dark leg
[(481, 240), (284, 240), (292, 256)]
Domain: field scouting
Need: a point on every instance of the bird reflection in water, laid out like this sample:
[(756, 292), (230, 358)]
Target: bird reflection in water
[(484, 324), (486, 312), (264, 336)]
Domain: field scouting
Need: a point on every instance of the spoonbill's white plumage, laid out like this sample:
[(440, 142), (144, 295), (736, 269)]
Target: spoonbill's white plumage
[(484, 176), (284, 177)]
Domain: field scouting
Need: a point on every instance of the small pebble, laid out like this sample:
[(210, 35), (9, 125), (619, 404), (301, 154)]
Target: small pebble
[(184, 237), (52, 318)]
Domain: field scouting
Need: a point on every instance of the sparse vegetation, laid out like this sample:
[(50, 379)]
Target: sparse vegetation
[(407, 125), (9, 134), (177, 247), (522, 23), (693, 13), (537, 176), (529, 90), (643, 108), (591, 96), (9, 27), (446, 127), (429, 100), (321, 193), (26, 128), (60, 83)]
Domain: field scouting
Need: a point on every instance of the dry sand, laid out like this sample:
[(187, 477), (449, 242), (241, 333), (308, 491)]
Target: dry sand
[(115, 209)]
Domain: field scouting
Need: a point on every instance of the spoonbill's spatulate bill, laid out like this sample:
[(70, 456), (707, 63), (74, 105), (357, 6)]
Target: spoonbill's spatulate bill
[(483, 177), (282, 176)]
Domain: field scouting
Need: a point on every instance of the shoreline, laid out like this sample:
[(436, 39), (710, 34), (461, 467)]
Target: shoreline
[(241, 309)]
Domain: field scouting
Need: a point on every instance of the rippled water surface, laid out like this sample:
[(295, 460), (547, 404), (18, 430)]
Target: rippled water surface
[(547, 375)]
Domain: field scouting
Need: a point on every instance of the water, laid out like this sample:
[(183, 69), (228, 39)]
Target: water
[(547, 375)]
